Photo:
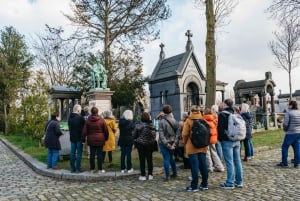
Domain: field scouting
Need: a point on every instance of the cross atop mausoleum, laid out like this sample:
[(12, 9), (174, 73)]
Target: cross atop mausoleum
[(162, 53), (189, 45)]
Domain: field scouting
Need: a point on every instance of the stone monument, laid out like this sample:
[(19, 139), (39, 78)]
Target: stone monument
[(99, 95)]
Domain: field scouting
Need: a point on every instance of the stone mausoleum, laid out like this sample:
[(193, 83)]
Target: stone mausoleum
[(179, 81)]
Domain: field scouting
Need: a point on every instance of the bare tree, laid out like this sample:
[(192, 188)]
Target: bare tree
[(283, 9), (57, 55), (217, 13), (117, 24), (286, 47)]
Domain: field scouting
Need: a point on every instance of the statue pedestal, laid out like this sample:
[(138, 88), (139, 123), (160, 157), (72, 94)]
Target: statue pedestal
[(100, 98)]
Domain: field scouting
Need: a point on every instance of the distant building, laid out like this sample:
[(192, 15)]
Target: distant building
[(283, 100)]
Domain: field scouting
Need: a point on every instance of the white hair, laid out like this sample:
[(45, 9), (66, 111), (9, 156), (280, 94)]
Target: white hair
[(244, 107), (215, 108), (128, 115), (76, 108)]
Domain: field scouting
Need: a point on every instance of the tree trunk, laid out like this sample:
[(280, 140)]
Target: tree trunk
[(5, 119), (210, 55), (290, 85)]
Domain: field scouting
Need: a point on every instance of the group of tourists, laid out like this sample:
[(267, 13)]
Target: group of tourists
[(171, 136)]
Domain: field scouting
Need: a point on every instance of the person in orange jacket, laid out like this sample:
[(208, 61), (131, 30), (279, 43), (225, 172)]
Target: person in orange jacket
[(213, 161)]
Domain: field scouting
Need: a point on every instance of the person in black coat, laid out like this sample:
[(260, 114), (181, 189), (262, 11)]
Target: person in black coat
[(248, 145), (53, 133), (125, 142), (76, 123)]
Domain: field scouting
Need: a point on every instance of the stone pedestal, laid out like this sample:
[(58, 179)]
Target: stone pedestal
[(100, 98)]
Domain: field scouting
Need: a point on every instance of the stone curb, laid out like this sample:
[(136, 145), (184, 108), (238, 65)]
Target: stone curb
[(41, 168)]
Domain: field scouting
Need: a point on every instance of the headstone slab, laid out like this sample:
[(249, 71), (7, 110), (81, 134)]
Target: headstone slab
[(100, 99)]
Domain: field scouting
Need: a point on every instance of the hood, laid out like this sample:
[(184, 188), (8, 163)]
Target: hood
[(123, 121), (209, 117), (195, 115), (94, 118), (72, 115), (229, 109)]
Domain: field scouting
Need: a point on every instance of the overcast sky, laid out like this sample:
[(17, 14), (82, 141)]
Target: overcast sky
[(242, 46)]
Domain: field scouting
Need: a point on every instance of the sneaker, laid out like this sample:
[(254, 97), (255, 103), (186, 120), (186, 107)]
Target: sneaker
[(130, 171), (55, 168), (292, 160), (238, 185), (79, 171), (122, 171), (297, 166), (203, 188), (190, 189), (150, 177), (281, 164), (93, 171), (173, 176), (142, 178), (101, 171), (225, 186)]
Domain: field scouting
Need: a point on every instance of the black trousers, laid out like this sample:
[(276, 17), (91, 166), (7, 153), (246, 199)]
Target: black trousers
[(145, 154)]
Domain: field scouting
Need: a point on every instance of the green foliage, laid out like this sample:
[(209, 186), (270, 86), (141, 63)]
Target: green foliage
[(15, 61)]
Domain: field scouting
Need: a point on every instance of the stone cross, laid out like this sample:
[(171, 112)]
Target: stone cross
[(189, 34)]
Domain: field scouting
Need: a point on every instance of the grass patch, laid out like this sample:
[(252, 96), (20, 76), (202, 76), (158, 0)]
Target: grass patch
[(270, 138)]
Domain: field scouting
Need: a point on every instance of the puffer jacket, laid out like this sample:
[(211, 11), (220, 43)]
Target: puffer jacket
[(212, 122), (95, 130), (168, 135), (248, 120), (144, 133), (186, 133), (53, 133), (126, 127)]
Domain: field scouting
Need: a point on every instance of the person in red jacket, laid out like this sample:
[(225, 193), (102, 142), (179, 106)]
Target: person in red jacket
[(96, 131), (213, 161)]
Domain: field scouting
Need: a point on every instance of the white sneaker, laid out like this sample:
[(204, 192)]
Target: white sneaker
[(101, 171), (190, 178), (122, 171), (130, 171), (142, 178), (150, 177)]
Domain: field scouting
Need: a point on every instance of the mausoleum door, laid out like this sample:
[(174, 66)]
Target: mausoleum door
[(192, 95)]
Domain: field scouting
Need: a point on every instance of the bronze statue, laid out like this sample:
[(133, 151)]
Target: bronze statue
[(99, 76)]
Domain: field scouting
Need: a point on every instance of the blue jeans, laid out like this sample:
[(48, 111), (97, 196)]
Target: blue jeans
[(294, 140), (168, 160), (76, 155), (231, 153), (126, 153), (52, 158), (219, 150), (248, 146), (198, 162)]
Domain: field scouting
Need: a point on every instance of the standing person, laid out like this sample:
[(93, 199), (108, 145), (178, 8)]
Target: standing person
[(144, 136), (76, 123), (248, 145), (110, 144), (215, 109), (168, 137), (53, 133), (212, 159), (291, 126), (125, 142), (231, 150), (96, 131), (197, 156)]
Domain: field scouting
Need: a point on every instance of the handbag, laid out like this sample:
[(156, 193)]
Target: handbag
[(155, 146)]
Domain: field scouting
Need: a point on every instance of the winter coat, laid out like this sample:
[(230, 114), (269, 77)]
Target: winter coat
[(126, 127), (144, 133), (212, 122), (112, 127), (53, 133), (75, 123), (167, 136), (248, 120), (95, 130), (223, 124), (186, 134)]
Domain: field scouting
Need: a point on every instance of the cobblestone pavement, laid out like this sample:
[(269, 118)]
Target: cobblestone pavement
[(262, 181)]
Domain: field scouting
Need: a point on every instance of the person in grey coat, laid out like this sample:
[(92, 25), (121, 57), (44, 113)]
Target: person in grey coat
[(169, 133)]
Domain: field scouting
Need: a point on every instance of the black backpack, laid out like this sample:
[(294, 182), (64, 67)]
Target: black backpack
[(200, 133)]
